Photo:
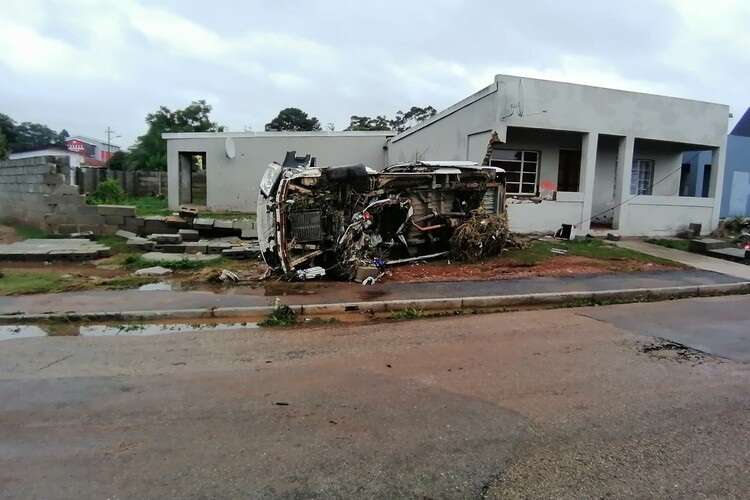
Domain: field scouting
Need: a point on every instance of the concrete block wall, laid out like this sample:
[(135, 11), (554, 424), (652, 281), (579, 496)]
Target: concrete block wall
[(35, 191)]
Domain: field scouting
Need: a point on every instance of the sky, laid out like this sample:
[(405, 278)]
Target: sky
[(86, 65)]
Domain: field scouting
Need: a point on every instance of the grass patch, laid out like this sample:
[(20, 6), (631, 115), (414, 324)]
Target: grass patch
[(541, 250), (683, 245), (407, 313), (138, 262), (24, 282), (282, 315), (148, 205)]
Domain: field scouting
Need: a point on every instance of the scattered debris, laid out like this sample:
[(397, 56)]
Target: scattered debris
[(227, 275), (176, 257), (153, 271), (128, 235), (344, 217), (566, 232), (613, 237), (311, 273), (559, 251)]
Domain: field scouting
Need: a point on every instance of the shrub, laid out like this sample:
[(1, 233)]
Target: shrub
[(108, 191), (282, 315)]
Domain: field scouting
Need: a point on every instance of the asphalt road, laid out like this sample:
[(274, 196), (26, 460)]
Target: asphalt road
[(558, 403)]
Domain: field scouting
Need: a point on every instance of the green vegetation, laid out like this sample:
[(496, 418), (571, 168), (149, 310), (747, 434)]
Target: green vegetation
[(407, 313), (108, 192), (669, 243), (138, 262), (282, 315), (148, 205), (539, 251), (24, 282), (28, 232)]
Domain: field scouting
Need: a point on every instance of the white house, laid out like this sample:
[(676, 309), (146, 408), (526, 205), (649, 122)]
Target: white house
[(561, 144)]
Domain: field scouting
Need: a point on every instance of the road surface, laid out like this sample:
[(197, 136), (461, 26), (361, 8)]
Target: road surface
[(573, 403)]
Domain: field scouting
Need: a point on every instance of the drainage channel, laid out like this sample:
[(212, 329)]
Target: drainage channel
[(10, 332)]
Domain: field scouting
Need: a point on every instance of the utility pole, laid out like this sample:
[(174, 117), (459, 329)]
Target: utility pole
[(109, 133)]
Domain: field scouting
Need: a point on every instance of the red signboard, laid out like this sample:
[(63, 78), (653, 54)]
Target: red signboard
[(76, 146)]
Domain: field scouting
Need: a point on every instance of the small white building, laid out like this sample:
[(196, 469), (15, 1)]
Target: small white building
[(563, 147)]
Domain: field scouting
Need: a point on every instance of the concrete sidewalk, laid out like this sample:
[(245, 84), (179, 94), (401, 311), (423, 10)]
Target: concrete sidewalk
[(337, 293), (695, 260)]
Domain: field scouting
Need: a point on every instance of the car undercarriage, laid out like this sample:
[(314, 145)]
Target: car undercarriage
[(337, 220)]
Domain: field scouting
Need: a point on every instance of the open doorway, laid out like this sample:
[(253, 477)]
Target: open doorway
[(192, 178)]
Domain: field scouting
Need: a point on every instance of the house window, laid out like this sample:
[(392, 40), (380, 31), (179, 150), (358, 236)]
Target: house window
[(521, 169), (642, 177)]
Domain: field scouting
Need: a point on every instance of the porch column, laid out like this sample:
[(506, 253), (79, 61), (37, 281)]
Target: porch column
[(622, 181), (589, 145), (716, 184)]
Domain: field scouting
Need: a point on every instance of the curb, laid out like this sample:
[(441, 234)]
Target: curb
[(570, 299)]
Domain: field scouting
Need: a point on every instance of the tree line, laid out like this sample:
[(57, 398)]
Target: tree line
[(150, 151)]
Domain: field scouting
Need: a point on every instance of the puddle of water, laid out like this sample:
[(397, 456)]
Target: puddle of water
[(8, 332), (144, 330), (162, 287)]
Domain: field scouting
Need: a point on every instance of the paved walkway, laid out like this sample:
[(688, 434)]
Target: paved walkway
[(326, 292), (695, 260)]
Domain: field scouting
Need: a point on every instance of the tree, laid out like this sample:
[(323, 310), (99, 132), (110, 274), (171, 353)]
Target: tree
[(150, 150), (416, 115), (3, 146), (293, 119), (62, 136), (8, 128), (367, 123), (30, 135), (118, 161)]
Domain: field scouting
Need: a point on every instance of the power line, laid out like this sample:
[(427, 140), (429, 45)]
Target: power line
[(629, 199)]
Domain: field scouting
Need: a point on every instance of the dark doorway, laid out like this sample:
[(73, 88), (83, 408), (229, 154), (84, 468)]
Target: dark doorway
[(569, 170), (685, 180), (706, 180), (192, 177)]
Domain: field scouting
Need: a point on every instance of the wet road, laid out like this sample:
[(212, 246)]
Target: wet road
[(529, 404), (326, 292)]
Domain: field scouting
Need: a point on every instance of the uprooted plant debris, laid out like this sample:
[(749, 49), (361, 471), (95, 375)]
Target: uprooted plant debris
[(483, 235)]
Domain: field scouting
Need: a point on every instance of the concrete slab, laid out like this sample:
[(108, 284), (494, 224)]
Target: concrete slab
[(203, 223), (189, 234), (170, 239), (37, 249), (177, 257)]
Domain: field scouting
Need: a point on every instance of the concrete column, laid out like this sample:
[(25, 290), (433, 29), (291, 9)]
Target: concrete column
[(589, 145), (622, 181), (716, 186)]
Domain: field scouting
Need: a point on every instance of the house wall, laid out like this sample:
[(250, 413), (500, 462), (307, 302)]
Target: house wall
[(661, 126), (232, 184), (463, 135)]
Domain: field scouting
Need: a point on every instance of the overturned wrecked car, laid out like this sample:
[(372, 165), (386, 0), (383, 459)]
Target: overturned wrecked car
[(351, 221)]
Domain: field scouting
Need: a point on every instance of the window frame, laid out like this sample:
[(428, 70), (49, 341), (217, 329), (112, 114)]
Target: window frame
[(521, 172), (635, 181)]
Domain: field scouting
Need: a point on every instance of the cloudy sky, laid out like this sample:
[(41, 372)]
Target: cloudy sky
[(84, 65)]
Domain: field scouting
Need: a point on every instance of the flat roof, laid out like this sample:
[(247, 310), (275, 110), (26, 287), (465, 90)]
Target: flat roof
[(238, 135)]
